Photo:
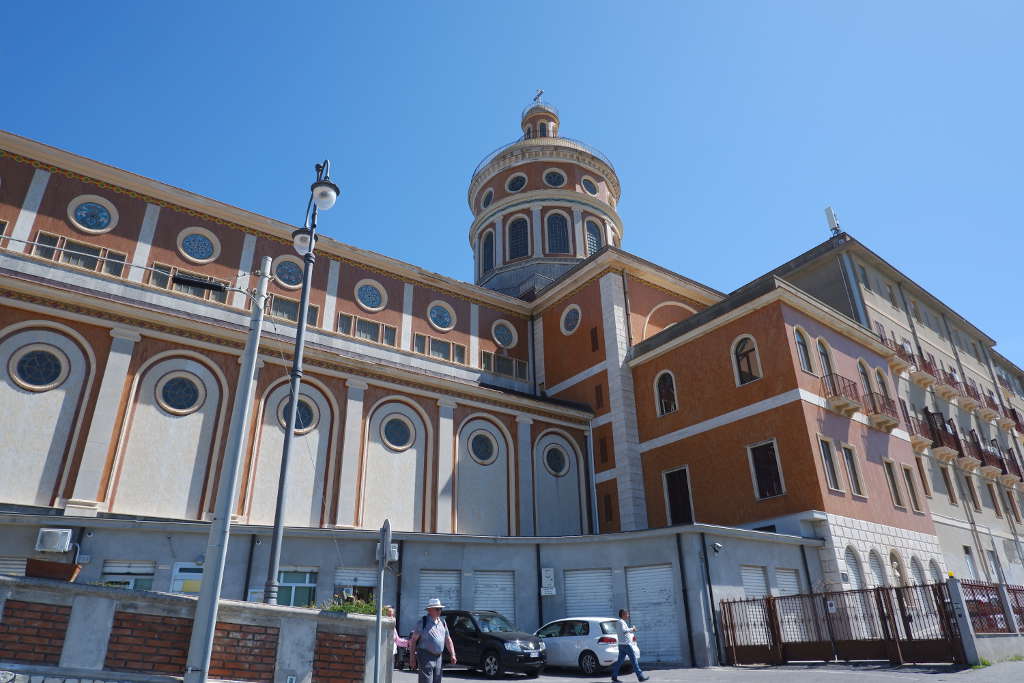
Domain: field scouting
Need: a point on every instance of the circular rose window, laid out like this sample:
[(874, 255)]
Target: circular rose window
[(396, 432)]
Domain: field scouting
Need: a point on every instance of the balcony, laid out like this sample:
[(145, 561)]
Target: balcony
[(918, 430), (992, 465), (900, 359), (989, 410), (924, 373), (970, 398), (842, 394), (1005, 421), (881, 411), (945, 442), (971, 456), (1018, 421), (1012, 473), (947, 385)]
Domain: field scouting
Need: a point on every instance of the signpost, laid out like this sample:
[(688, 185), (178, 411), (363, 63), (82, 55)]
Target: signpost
[(386, 552)]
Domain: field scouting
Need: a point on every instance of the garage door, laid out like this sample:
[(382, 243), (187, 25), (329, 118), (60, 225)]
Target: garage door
[(495, 591), (788, 581), (588, 593), (755, 581), (13, 566), (654, 610), (445, 584)]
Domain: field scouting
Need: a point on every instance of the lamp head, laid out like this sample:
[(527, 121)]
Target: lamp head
[(301, 241), (325, 193)]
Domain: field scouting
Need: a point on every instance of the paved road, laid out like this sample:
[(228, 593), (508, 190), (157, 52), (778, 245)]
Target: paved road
[(1005, 672)]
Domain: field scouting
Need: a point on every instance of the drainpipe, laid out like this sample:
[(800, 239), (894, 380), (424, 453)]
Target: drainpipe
[(686, 599), (248, 567), (850, 281), (711, 599), (625, 302), (807, 568), (540, 598), (398, 583), (968, 502), (594, 519)]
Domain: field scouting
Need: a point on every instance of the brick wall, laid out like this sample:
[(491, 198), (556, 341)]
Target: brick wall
[(244, 653), (143, 642), (338, 658), (33, 631)]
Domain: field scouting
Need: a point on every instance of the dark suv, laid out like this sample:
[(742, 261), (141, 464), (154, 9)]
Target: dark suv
[(485, 640)]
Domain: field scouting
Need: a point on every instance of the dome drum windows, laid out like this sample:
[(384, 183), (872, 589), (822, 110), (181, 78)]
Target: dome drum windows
[(518, 239), (665, 393), (198, 245), (554, 178), (93, 214), (594, 239), (558, 233), (487, 253), (397, 432), (288, 271), (38, 367), (486, 200), (746, 361), (515, 182), (370, 295), (589, 185), (570, 320), (180, 393)]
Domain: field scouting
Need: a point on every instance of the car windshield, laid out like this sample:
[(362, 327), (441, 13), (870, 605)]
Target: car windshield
[(493, 623), (608, 627)]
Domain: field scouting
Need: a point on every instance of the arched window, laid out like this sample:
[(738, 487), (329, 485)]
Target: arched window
[(543, 129), (594, 240), (854, 570), (802, 351), (883, 386), (933, 569), (825, 358), (877, 569), (748, 365), (558, 234), (487, 253), (518, 239), (865, 378), (529, 132), (917, 572), (665, 387)]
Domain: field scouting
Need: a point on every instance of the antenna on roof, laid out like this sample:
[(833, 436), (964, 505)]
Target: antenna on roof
[(833, 222)]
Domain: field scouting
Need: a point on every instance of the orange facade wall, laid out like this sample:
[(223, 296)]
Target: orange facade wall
[(608, 506), (568, 355), (652, 309)]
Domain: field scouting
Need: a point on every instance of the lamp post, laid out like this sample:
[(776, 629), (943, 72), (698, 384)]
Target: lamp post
[(323, 194), (203, 625)]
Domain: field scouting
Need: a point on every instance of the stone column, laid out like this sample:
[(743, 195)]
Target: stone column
[(577, 225), (140, 257), (445, 465), (406, 341), (499, 242), (474, 336), (85, 500), (238, 299), (538, 240), (331, 296), (524, 444), (350, 451), (609, 233), (27, 216)]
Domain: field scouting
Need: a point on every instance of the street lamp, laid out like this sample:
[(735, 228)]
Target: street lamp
[(323, 194)]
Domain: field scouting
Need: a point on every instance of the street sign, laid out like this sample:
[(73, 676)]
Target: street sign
[(392, 556), (830, 606)]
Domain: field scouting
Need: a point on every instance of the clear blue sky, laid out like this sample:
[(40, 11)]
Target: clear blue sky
[(731, 124)]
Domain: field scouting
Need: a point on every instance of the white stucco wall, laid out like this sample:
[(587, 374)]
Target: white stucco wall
[(482, 491), (393, 482), (559, 507)]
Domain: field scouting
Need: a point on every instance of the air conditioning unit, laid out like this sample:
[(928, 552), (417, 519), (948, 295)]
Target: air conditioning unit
[(53, 541)]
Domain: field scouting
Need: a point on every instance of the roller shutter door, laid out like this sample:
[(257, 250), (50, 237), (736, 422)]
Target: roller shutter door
[(654, 609), (496, 591), (877, 570), (12, 566), (445, 584), (588, 593), (355, 577), (854, 570), (788, 581), (755, 582)]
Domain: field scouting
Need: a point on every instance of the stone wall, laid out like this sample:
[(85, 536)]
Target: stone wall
[(70, 632)]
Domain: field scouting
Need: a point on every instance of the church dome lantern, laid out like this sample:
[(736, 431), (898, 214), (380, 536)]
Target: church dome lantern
[(541, 204)]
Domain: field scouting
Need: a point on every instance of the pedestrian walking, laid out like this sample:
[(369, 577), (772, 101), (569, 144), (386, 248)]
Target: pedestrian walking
[(428, 642), (625, 633)]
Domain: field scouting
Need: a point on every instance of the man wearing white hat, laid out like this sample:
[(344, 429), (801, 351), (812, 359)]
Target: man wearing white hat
[(427, 644)]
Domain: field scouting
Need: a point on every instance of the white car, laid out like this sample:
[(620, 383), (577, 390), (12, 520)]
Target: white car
[(586, 643)]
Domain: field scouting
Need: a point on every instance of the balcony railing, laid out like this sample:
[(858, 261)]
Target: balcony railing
[(842, 393), (991, 404), (972, 392), (1011, 464), (1017, 419), (991, 458), (942, 433), (899, 349), (538, 141), (926, 365), (884, 413)]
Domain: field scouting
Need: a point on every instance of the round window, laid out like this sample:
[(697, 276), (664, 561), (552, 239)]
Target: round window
[(482, 448), (288, 273), (556, 461), (589, 186), (370, 295), (180, 393), (570, 319), (488, 198), (306, 417), (554, 178), (504, 334), (397, 433), (92, 216), (516, 183), (198, 246), (441, 316), (39, 368)]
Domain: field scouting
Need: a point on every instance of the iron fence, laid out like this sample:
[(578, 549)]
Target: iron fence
[(1017, 605), (985, 607)]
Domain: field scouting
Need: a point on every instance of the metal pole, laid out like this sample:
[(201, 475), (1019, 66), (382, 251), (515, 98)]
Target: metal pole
[(382, 562), (201, 644), (270, 592)]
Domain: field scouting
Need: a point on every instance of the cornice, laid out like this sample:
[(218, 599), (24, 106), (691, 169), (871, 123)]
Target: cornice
[(61, 162)]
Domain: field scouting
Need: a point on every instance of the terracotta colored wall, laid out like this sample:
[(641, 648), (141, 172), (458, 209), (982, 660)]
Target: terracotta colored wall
[(608, 502), (565, 356), (645, 298), (535, 181), (16, 178), (606, 460)]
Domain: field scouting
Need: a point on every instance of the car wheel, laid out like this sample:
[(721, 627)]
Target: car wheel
[(588, 663), (492, 665)]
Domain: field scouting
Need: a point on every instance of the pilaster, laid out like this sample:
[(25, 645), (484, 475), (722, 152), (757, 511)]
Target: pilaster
[(499, 242), (331, 295), (244, 271), (538, 241), (524, 445), (84, 501), (577, 226), (445, 465), (474, 336), (406, 340), (351, 449), (140, 258), (27, 216)]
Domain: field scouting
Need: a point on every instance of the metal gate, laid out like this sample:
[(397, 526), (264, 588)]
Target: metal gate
[(588, 592), (653, 606), (445, 584), (495, 590), (900, 624)]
